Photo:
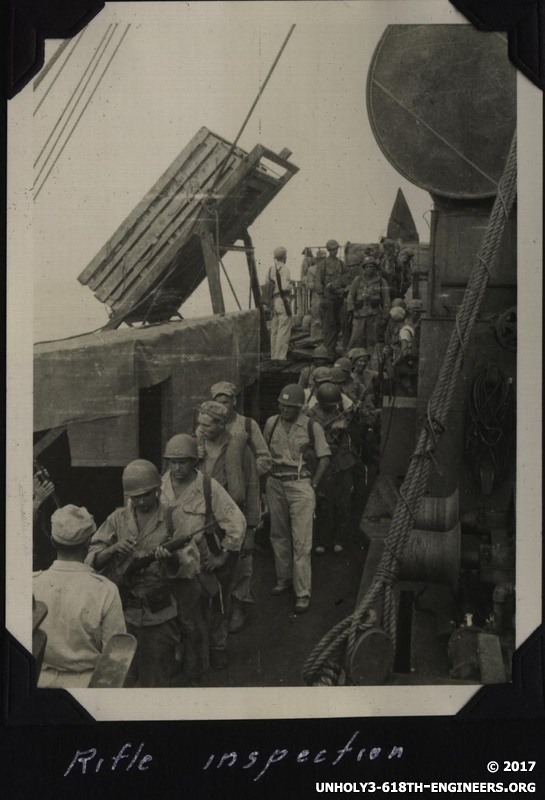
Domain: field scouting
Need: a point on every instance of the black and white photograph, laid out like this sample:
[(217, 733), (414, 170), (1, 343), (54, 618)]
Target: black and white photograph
[(264, 267)]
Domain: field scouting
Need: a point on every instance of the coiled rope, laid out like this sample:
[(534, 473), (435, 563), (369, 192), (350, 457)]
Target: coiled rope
[(323, 666)]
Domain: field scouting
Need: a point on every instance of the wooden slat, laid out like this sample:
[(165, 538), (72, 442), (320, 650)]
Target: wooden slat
[(490, 658)]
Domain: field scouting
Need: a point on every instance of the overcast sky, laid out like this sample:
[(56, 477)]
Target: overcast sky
[(184, 65)]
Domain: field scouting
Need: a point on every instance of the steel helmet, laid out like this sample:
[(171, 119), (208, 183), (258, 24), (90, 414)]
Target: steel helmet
[(370, 261), (344, 363), (328, 394), (321, 352), (139, 477), (332, 244), (399, 302), (280, 252), (292, 395), (353, 258), (321, 374), (416, 305), (337, 375), (358, 352), (397, 314), (181, 446)]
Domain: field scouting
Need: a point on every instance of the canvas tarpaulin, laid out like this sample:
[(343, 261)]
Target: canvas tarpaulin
[(91, 383)]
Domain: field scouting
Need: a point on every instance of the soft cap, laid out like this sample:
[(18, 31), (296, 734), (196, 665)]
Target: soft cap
[(224, 387), (72, 525)]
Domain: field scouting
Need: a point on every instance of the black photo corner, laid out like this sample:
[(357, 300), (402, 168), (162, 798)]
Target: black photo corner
[(52, 747)]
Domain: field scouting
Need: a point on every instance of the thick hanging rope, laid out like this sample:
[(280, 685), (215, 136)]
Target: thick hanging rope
[(324, 664)]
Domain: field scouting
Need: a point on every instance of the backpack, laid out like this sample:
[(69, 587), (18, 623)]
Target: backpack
[(308, 451)]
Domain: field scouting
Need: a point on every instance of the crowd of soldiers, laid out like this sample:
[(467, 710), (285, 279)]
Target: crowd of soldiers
[(359, 302), (174, 565)]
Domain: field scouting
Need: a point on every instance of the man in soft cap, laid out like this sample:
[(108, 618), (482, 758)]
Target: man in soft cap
[(230, 460), (226, 393), (84, 609), (316, 333), (330, 283), (320, 358), (281, 322)]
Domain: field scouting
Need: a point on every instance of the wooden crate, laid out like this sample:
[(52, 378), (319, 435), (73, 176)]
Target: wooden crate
[(154, 261)]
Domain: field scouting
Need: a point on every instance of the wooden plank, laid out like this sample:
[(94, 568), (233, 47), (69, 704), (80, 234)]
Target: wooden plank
[(154, 229), (213, 273), (256, 291), (490, 658), (141, 208), (46, 440)]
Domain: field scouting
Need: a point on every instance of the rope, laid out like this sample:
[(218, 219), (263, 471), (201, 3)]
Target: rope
[(380, 594)]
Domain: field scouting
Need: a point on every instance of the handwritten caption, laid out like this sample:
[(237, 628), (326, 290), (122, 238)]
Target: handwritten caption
[(86, 758)]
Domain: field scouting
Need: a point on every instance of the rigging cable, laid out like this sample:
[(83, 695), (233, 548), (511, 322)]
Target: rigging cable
[(52, 84), (56, 55), (85, 107), (65, 109)]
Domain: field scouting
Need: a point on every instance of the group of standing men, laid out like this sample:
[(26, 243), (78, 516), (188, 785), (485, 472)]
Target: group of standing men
[(350, 300), (174, 566)]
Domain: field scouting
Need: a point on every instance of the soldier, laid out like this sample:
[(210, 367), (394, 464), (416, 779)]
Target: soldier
[(330, 285), (354, 262), (84, 609), (320, 358), (281, 322), (316, 334), (226, 394), (290, 492), (348, 386), (197, 501), (149, 596), (228, 458), (361, 375), (369, 300), (406, 361), (405, 258), (334, 498)]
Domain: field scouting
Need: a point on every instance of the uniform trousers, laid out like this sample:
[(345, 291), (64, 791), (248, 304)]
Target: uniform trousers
[(291, 505), (315, 318), (217, 609), (190, 624), (365, 331), (333, 505), (280, 335), (331, 323), (51, 678), (155, 659)]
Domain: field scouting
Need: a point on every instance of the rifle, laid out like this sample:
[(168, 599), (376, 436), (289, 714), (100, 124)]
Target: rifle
[(281, 291), (142, 562)]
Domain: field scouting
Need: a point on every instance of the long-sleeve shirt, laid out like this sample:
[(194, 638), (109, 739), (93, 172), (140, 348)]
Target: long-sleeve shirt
[(214, 465), (285, 280), (330, 280), (189, 510), (368, 297), (83, 612), (239, 424), (120, 525)]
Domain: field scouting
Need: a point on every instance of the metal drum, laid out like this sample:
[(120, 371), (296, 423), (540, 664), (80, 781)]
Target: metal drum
[(441, 101), (432, 557), (438, 513)]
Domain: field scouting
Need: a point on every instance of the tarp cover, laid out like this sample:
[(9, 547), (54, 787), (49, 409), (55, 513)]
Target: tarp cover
[(91, 383)]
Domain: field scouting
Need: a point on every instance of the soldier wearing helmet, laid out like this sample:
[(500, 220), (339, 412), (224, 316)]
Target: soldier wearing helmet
[(139, 529), (291, 491), (369, 301), (193, 498), (334, 499), (84, 609), (354, 261), (281, 322), (314, 298), (320, 358), (330, 283)]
